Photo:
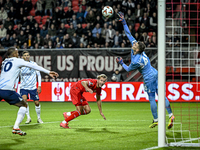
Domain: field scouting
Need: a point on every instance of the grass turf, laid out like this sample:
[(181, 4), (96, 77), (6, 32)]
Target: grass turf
[(126, 128)]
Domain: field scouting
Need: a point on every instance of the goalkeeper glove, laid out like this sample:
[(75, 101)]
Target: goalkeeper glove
[(119, 60), (121, 16)]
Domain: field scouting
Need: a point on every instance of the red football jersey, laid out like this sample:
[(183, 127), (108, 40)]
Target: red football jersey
[(92, 84)]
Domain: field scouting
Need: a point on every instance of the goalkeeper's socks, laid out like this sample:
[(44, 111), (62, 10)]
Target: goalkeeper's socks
[(75, 114)]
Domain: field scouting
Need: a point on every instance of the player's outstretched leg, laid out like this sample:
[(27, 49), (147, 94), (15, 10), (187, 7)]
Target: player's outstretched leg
[(154, 124), (153, 109)]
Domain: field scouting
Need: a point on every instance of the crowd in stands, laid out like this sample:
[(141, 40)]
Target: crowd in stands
[(38, 24)]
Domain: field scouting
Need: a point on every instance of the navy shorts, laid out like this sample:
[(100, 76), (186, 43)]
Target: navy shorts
[(10, 97), (33, 94)]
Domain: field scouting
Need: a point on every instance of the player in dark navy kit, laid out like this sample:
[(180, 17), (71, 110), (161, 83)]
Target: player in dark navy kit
[(140, 61), (82, 106), (10, 70)]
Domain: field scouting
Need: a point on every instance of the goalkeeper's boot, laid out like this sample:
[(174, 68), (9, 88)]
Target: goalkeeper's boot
[(18, 131), (171, 120), (65, 115), (154, 124), (64, 125)]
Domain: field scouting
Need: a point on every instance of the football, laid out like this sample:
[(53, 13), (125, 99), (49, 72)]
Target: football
[(107, 11)]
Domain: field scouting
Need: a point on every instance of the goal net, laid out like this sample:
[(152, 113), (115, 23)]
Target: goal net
[(183, 71)]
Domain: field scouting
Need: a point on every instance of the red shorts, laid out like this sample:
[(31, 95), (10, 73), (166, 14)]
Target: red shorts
[(77, 97)]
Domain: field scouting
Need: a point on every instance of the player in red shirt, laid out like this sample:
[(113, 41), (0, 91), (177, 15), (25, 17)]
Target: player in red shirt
[(82, 106)]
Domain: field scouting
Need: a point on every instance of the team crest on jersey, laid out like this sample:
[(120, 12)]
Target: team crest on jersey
[(90, 83)]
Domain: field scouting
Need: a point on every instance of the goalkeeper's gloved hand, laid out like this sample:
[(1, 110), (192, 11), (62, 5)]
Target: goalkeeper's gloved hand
[(121, 16), (119, 60)]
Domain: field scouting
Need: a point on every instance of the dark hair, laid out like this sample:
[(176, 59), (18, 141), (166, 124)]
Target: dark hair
[(10, 51), (25, 52), (141, 47)]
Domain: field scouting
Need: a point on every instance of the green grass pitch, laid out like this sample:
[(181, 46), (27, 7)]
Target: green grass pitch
[(126, 128)]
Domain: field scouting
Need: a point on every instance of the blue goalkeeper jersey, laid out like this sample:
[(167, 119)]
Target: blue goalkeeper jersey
[(140, 61)]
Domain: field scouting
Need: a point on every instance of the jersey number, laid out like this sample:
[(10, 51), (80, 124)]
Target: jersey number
[(7, 66)]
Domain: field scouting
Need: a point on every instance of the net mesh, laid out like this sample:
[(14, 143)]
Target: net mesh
[(183, 68)]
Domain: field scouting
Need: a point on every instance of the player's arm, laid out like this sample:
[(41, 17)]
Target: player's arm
[(85, 85), (39, 82), (131, 67), (99, 105), (39, 68), (126, 29)]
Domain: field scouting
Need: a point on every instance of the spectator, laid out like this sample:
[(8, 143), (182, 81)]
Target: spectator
[(104, 30), (90, 38), (99, 20), (80, 15), (139, 14), (52, 32), (61, 31), (84, 40), (117, 77), (59, 46), (117, 39), (109, 3), (154, 41), (32, 22), (17, 4), (3, 15), (64, 3), (132, 29), (18, 29), (46, 40), (48, 23), (6, 42), (10, 30), (7, 5), (73, 20), (148, 10), (50, 45), (12, 15), (57, 40), (84, 5), (27, 7), (13, 39), (56, 17), (142, 29), (99, 40), (67, 41), (2, 3), (36, 46), (87, 29), (144, 38), (3, 32), (96, 30), (36, 29), (76, 40), (90, 17), (20, 14), (145, 20), (69, 13), (43, 31), (30, 42), (62, 16), (24, 46), (109, 35), (39, 7), (130, 17), (71, 30), (50, 4), (21, 38), (8, 23), (25, 22), (153, 22), (39, 39), (79, 30)]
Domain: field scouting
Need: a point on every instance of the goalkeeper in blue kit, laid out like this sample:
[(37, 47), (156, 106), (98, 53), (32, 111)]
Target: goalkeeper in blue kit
[(140, 61)]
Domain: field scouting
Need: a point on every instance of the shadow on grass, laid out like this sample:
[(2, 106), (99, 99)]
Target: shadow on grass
[(92, 130), (7, 146)]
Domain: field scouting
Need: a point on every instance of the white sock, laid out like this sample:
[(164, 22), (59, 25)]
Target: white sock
[(64, 121), (170, 115), (37, 109), (155, 120), (27, 112), (20, 116)]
